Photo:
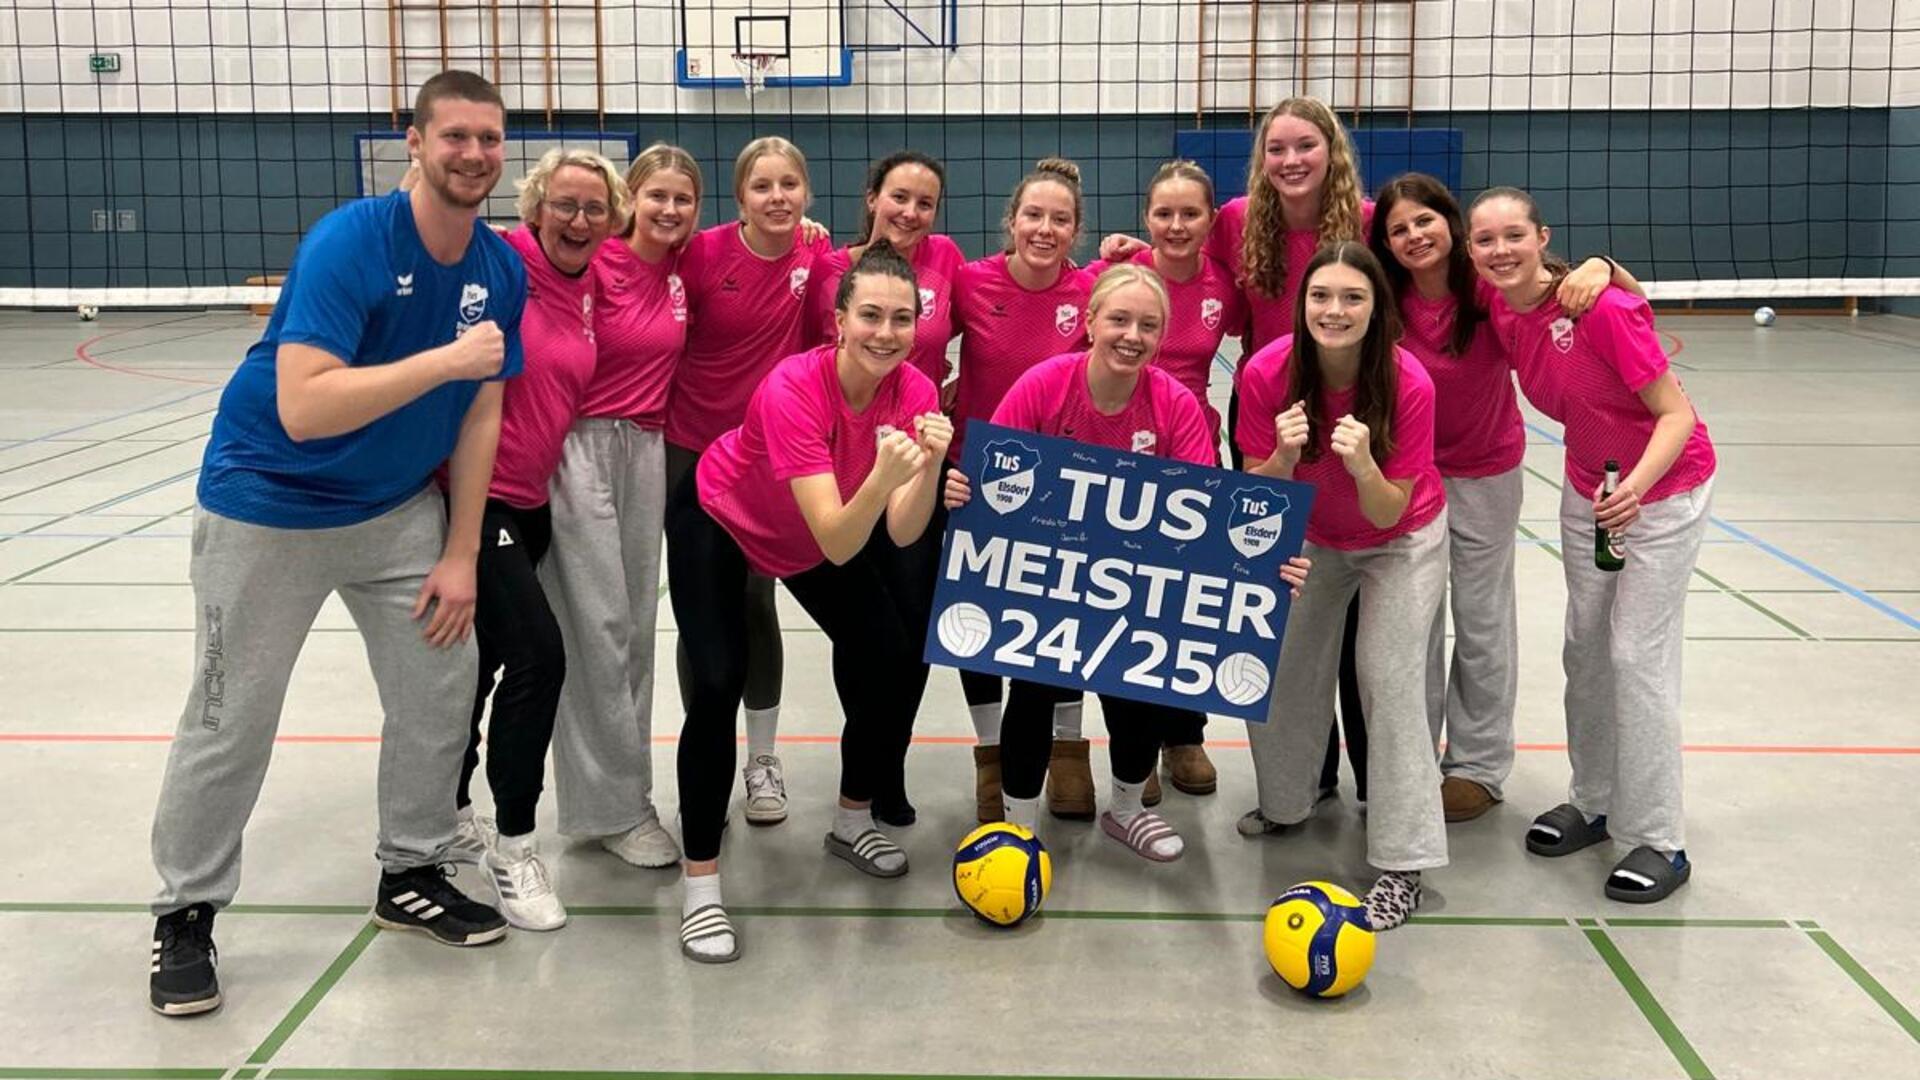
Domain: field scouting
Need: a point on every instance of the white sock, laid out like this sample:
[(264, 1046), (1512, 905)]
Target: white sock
[(762, 726), (986, 722), (1126, 803), (697, 893), (515, 848), (1066, 720), (464, 814), (850, 824), (1023, 812)]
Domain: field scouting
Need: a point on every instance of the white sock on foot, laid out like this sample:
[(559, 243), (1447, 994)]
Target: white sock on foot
[(1066, 720), (698, 893), (986, 722), (763, 726), (849, 824), (1023, 812), (1127, 801)]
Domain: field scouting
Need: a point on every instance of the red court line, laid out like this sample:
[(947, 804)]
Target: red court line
[(81, 354), (967, 740), (1679, 346)]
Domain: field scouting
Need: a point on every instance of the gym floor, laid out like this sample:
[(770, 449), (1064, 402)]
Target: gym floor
[(1793, 953)]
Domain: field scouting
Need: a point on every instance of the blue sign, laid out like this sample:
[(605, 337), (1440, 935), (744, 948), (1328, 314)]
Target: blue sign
[(1117, 573)]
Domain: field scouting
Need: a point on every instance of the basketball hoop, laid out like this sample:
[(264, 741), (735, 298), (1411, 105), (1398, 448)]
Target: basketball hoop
[(754, 69)]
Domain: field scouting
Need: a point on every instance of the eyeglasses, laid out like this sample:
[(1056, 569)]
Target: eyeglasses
[(567, 210)]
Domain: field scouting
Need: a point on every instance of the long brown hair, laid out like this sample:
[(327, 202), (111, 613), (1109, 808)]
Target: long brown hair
[(1377, 390), (1423, 190), (1263, 247)]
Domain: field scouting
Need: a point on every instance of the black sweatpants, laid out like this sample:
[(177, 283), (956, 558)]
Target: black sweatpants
[(870, 611), (514, 627), (1134, 728), (1352, 717)]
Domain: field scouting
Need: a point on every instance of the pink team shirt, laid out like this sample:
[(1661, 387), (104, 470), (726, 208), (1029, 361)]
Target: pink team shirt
[(640, 320), (1588, 374), (1477, 430), (1270, 316), (798, 423), (936, 263), (537, 408), (1008, 329), (1162, 418), (1203, 310), (747, 313), (1336, 521)]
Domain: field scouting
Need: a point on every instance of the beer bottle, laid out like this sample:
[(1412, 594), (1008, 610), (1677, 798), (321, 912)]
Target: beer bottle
[(1608, 552)]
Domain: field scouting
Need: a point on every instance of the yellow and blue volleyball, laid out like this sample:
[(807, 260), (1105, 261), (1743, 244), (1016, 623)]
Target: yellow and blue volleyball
[(1318, 939), (1002, 873)]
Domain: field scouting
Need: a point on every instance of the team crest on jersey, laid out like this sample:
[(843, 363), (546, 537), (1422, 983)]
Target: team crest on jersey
[(473, 303), (1065, 318), (1562, 333), (1255, 522), (1144, 441), (677, 297), (927, 297), (1210, 312), (797, 282), (1006, 481)]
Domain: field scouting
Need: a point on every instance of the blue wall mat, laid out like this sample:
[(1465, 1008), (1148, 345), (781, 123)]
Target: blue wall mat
[(1384, 154)]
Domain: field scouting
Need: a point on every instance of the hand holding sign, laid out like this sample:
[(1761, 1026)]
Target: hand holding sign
[(935, 433), (1352, 440), (898, 459), (1290, 436), (959, 492)]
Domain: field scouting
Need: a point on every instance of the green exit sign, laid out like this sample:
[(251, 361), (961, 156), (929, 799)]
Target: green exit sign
[(103, 63)]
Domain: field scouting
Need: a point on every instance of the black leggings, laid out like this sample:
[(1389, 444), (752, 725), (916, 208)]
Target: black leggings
[(1352, 718), (514, 626), (766, 651), (1135, 729), (871, 614)]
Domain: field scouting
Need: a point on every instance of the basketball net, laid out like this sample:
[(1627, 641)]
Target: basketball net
[(754, 68)]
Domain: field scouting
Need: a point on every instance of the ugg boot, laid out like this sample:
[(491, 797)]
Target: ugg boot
[(986, 784), (1070, 780)]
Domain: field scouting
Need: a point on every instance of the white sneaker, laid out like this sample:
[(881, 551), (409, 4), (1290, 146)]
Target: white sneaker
[(647, 844), (472, 838), (525, 889), (766, 791)]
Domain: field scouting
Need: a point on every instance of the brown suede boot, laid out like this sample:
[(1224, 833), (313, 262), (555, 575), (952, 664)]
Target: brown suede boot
[(1070, 781), (1190, 769), (986, 784), (1151, 794)]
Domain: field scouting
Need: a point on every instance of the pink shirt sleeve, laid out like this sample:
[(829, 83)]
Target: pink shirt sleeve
[(1412, 422), (798, 424), (1621, 326), (1260, 392), (1223, 243)]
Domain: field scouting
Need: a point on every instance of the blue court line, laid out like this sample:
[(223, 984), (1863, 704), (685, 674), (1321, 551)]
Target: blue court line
[(11, 443), (1794, 561)]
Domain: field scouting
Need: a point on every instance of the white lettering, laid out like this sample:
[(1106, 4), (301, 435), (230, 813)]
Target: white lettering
[(1157, 579), (1110, 574), (1070, 564), (1028, 559), (966, 557), (1081, 481), (1251, 604), (1200, 595), (1188, 507)]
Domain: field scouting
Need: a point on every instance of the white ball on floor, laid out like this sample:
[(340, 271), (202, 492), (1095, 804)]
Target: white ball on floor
[(1763, 316), (88, 312)]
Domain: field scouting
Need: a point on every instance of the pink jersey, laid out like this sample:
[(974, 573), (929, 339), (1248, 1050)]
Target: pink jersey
[(936, 265), (641, 323), (1204, 310), (1477, 430), (1162, 418), (1270, 316), (799, 424), (537, 408), (1337, 521), (1008, 329), (1588, 374), (747, 313)]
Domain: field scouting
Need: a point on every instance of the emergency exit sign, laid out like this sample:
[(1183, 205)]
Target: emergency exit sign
[(103, 63)]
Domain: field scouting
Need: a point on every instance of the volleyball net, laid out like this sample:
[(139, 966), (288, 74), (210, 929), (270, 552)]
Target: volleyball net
[(172, 152)]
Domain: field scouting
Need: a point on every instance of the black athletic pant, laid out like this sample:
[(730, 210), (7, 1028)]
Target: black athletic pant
[(766, 651), (1134, 730), (514, 627), (866, 608), (1352, 717)]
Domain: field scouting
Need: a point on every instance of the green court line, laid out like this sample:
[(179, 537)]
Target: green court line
[(1693, 924), (311, 999), (1630, 981), (1549, 548), (90, 547), (1866, 982)]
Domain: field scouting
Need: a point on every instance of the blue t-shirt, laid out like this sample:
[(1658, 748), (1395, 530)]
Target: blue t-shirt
[(363, 288)]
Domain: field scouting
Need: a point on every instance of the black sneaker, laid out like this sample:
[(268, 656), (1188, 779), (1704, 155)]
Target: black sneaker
[(183, 982), (423, 899)]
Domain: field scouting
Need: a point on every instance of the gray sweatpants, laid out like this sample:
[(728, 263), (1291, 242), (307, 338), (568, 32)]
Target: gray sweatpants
[(257, 591), (1622, 659), (1473, 701), (1400, 584), (603, 580)]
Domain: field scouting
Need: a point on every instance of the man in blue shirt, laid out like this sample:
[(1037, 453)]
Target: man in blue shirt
[(381, 364)]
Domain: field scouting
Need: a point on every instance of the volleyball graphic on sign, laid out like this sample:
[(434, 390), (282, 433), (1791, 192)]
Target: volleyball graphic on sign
[(1241, 678), (964, 629), (1255, 520), (1006, 480)]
